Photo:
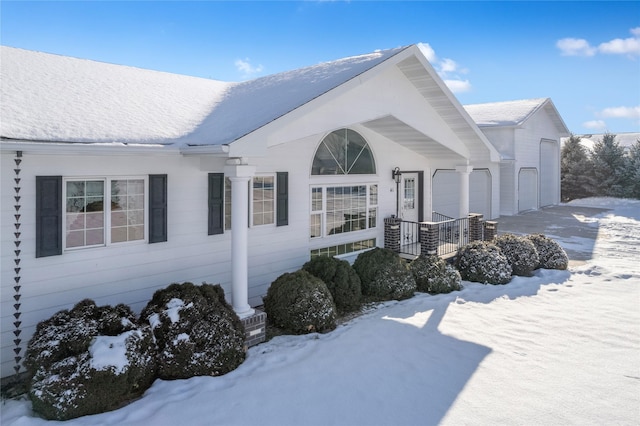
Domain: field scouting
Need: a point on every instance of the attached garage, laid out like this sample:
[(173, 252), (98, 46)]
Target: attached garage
[(549, 169), (527, 189), (527, 134), (480, 192), (446, 193)]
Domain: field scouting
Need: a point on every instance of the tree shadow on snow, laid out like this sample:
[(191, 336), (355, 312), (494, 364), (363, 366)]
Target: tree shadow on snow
[(434, 367)]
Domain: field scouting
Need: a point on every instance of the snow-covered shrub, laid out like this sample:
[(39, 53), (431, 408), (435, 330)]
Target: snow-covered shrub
[(434, 275), (88, 360), (369, 263), (551, 255), (300, 303), (483, 262), (196, 331), (393, 281), (341, 280), (520, 252)]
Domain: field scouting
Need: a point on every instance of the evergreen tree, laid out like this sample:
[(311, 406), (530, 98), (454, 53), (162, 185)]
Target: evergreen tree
[(608, 168), (633, 171), (574, 167)]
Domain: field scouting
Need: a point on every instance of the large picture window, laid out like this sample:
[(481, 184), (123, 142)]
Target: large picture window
[(341, 209), (104, 211)]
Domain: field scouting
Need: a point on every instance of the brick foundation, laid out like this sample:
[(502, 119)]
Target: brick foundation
[(255, 327)]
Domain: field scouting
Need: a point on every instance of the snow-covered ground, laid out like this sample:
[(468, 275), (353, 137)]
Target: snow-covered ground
[(562, 347)]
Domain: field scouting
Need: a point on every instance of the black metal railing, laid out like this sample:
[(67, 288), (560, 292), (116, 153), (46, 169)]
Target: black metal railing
[(451, 235)]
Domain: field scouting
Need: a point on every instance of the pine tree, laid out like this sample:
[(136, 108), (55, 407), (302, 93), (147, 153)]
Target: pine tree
[(633, 171), (608, 168), (574, 166)]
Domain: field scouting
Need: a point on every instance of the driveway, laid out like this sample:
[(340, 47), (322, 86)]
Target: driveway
[(575, 228)]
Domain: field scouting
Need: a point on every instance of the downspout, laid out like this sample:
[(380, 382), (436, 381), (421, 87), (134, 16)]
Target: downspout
[(17, 251)]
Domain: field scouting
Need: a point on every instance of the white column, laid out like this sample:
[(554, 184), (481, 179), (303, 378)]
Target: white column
[(240, 176), (465, 172)]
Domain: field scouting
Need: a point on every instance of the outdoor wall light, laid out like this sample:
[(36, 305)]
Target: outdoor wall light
[(396, 175)]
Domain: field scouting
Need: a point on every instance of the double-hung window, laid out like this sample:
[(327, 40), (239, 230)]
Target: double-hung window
[(263, 200), (268, 201), (104, 211)]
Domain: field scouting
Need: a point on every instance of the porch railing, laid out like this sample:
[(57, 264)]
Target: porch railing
[(443, 236)]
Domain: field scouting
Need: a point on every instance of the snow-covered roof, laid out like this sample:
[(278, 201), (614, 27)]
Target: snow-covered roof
[(514, 113), (49, 97), (509, 113), (252, 104), (55, 98)]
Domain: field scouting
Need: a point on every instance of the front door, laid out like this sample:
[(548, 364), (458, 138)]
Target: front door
[(409, 208)]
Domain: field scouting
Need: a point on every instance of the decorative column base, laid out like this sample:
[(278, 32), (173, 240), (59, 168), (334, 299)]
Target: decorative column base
[(475, 227), (255, 327), (392, 233), (429, 239)]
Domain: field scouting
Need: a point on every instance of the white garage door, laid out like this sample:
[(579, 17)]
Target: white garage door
[(480, 193), (445, 193), (527, 189), (549, 173)]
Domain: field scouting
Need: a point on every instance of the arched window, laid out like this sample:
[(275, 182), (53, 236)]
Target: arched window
[(343, 152)]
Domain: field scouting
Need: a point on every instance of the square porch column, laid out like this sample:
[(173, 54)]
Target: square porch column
[(240, 175)]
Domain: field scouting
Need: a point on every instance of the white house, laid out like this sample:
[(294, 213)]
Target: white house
[(118, 181), (527, 134)]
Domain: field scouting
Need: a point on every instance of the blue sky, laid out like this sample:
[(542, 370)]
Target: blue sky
[(584, 55)]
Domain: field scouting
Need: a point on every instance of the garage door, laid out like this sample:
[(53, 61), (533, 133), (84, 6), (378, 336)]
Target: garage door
[(549, 173), (527, 189), (480, 193), (445, 193)]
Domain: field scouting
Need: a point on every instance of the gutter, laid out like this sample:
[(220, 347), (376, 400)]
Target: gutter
[(81, 148)]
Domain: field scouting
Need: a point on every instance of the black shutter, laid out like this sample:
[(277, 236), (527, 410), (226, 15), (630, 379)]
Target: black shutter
[(157, 208), (216, 203), (48, 216), (282, 198)]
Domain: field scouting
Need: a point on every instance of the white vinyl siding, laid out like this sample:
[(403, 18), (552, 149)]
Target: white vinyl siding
[(527, 189), (549, 173)]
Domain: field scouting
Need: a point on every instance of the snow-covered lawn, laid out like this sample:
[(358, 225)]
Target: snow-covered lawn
[(562, 347)]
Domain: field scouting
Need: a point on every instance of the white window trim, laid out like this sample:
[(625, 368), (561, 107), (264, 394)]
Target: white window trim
[(107, 217)]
